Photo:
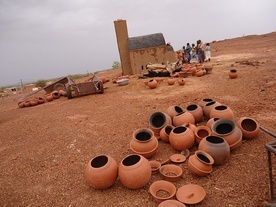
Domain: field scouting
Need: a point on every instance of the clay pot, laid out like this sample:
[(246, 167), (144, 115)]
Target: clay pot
[(190, 126), (211, 121), (199, 73), (217, 147), (34, 102), (27, 103), (170, 81), (165, 132), (233, 73), (62, 92), (181, 138), (222, 111), (162, 185), (21, 104), (155, 166), (159, 80), (171, 203), (101, 172), (144, 142), (204, 101), (49, 97), (134, 171), (152, 83), (181, 82), (40, 100), (171, 172), (174, 110), (157, 121), (201, 132), (250, 127), (227, 129), (196, 111), (201, 163), (183, 117), (208, 107), (55, 94)]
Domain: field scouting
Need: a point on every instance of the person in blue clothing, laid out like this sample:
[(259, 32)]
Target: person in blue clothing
[(188, 52)]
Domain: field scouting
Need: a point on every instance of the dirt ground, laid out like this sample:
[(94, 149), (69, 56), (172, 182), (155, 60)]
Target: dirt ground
[(45, 148)]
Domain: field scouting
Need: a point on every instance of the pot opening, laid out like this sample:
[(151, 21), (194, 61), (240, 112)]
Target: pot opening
[(143, 136), (224, 128), (214, 139), (203, 158), (202, 133), (131, 160), (179, 130), (233, 70), (178, 109), (207, 100), (158, 120), (162, 194), (221, 108), (168, 129), (99, 161), (210, 103), (249, 125), (192, 107), (151, 80)]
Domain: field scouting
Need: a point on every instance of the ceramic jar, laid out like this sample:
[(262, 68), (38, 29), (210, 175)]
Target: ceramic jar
[(250, 127), (181, 82), (204, 101), (199, 73), (217, 147), (33, 102), (144, 142), (134, 171), (181, 138), (233, 73), (49, 97), (170, 81), (165, 132), (201, 132), (208, 107), (183, 117), (201, 163), (174, 110), (40, 100), (227, 129), (55, 94), (157, 121), (196, 111), (152, 83), (211, 121), (101, 172), (222, 111)]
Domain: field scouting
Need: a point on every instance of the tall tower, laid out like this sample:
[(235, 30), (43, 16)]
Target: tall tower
[(122, 37)]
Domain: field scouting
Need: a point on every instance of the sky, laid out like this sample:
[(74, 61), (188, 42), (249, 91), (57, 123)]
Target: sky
[(44, 39)]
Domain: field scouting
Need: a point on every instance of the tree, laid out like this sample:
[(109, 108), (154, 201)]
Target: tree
[(116, 64), (40, 83)]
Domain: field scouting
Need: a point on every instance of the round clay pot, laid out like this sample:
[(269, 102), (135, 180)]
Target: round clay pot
[(162, 185), (55, 94), (222, 111), (165, 132), (62, 92), (143, 141), (49, 97), (250, 127), (204, 101), (182, 138), (227, 129), (101, 172), (201, 132), (134, 171), (155, 166), (217, 147), (171, 203), (157, 121), (34, 102), (208, 107), (170, 81), (183, 117), (201, 163), (40, 100), (199, 73), (171, 172), (190, 126), (27, 103), (21, 104), (181, 82), (211, 121), (233, 73), (174, 110), (152, 83), (196, 111)]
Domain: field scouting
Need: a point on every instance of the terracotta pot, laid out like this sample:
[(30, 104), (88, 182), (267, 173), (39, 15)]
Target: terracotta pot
[(222, 111), (201, 132), (201, 163), (162, 185), (217, 147), (208, 107), (62, 92), (144, 142), (233, 73), (190, 126), (101, 172), (40, 100), (250, 127), (211, 121), (171, 172), (182, 138), (27, 103), (204, 101), (183, 117), (196, 111), (152, 83), (181, 82), (199, 73), (165, 132), (159, 80), (227, 129), (21, 104), (134, 171), (49, 97), (170, 81), (55, 94), (174, 110), (34, 102), (157, 121)]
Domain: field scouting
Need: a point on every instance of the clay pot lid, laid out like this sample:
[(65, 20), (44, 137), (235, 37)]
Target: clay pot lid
[(171, 203), (185, 152), (178, 158), (190, 194)]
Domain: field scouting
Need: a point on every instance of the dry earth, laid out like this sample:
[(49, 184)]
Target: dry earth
[(44, 149)]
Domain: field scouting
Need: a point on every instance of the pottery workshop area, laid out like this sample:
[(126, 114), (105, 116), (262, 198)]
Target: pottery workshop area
[(203, 137)]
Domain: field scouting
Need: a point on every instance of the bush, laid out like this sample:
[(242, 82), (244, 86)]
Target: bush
[(116, 64), (40, 83)]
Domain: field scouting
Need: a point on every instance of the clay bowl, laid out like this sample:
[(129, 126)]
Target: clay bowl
[(155, 166), (122, 82), (190, 194), (178, 158), (171, 203), (171, 172), (162, 190), (186, 153)]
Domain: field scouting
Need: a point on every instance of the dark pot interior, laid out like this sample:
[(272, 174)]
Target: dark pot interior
[(178, 109), (143, 136), (179, 130), (158, 120), (214, 139), (248, 125), (203, 158), (202, 133), (99, 161), (192, 107), (221, 108), (168, 129), (224, 128), (131, 160)]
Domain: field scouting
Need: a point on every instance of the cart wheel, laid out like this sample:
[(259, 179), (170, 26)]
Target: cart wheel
[(68, 91), (101, 88), (59, 86)]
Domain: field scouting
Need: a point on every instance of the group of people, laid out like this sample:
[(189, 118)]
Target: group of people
[(200, 52)]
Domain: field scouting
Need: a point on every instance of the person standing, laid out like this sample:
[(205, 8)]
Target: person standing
[(208, 52), (188, 52), (193, 55)]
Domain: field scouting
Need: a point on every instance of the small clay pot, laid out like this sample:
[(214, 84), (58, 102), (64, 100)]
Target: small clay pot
[(165, 132), (27, 103), (49, 97), (173, 110), (233, 73), (222, 111), (181, 82), (152, 83), (190, 126), (41, 100), (170, 81), (157, 121), (201, 132), (250, 127), (21, 104), (200, 163), (199, 73), (34, 102), (196, 111), (162, 185), (208, 107), (171, 172), (55, 94), (204, 101), (182, 138), (183, 117)]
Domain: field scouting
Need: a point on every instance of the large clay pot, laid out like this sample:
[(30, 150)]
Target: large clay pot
[(152, 83), (227, 129), (144, 142), (233, 73), (170, 81), (250, 127), (211, 121), (204, 101), (181, 138), (201, 163), (208, 107), (183, 117), (101, 172), (134, 171), (174, 110), (157, 121), (196, 111), (201, 132), (222, 111), (217, 147), (165, 132)]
